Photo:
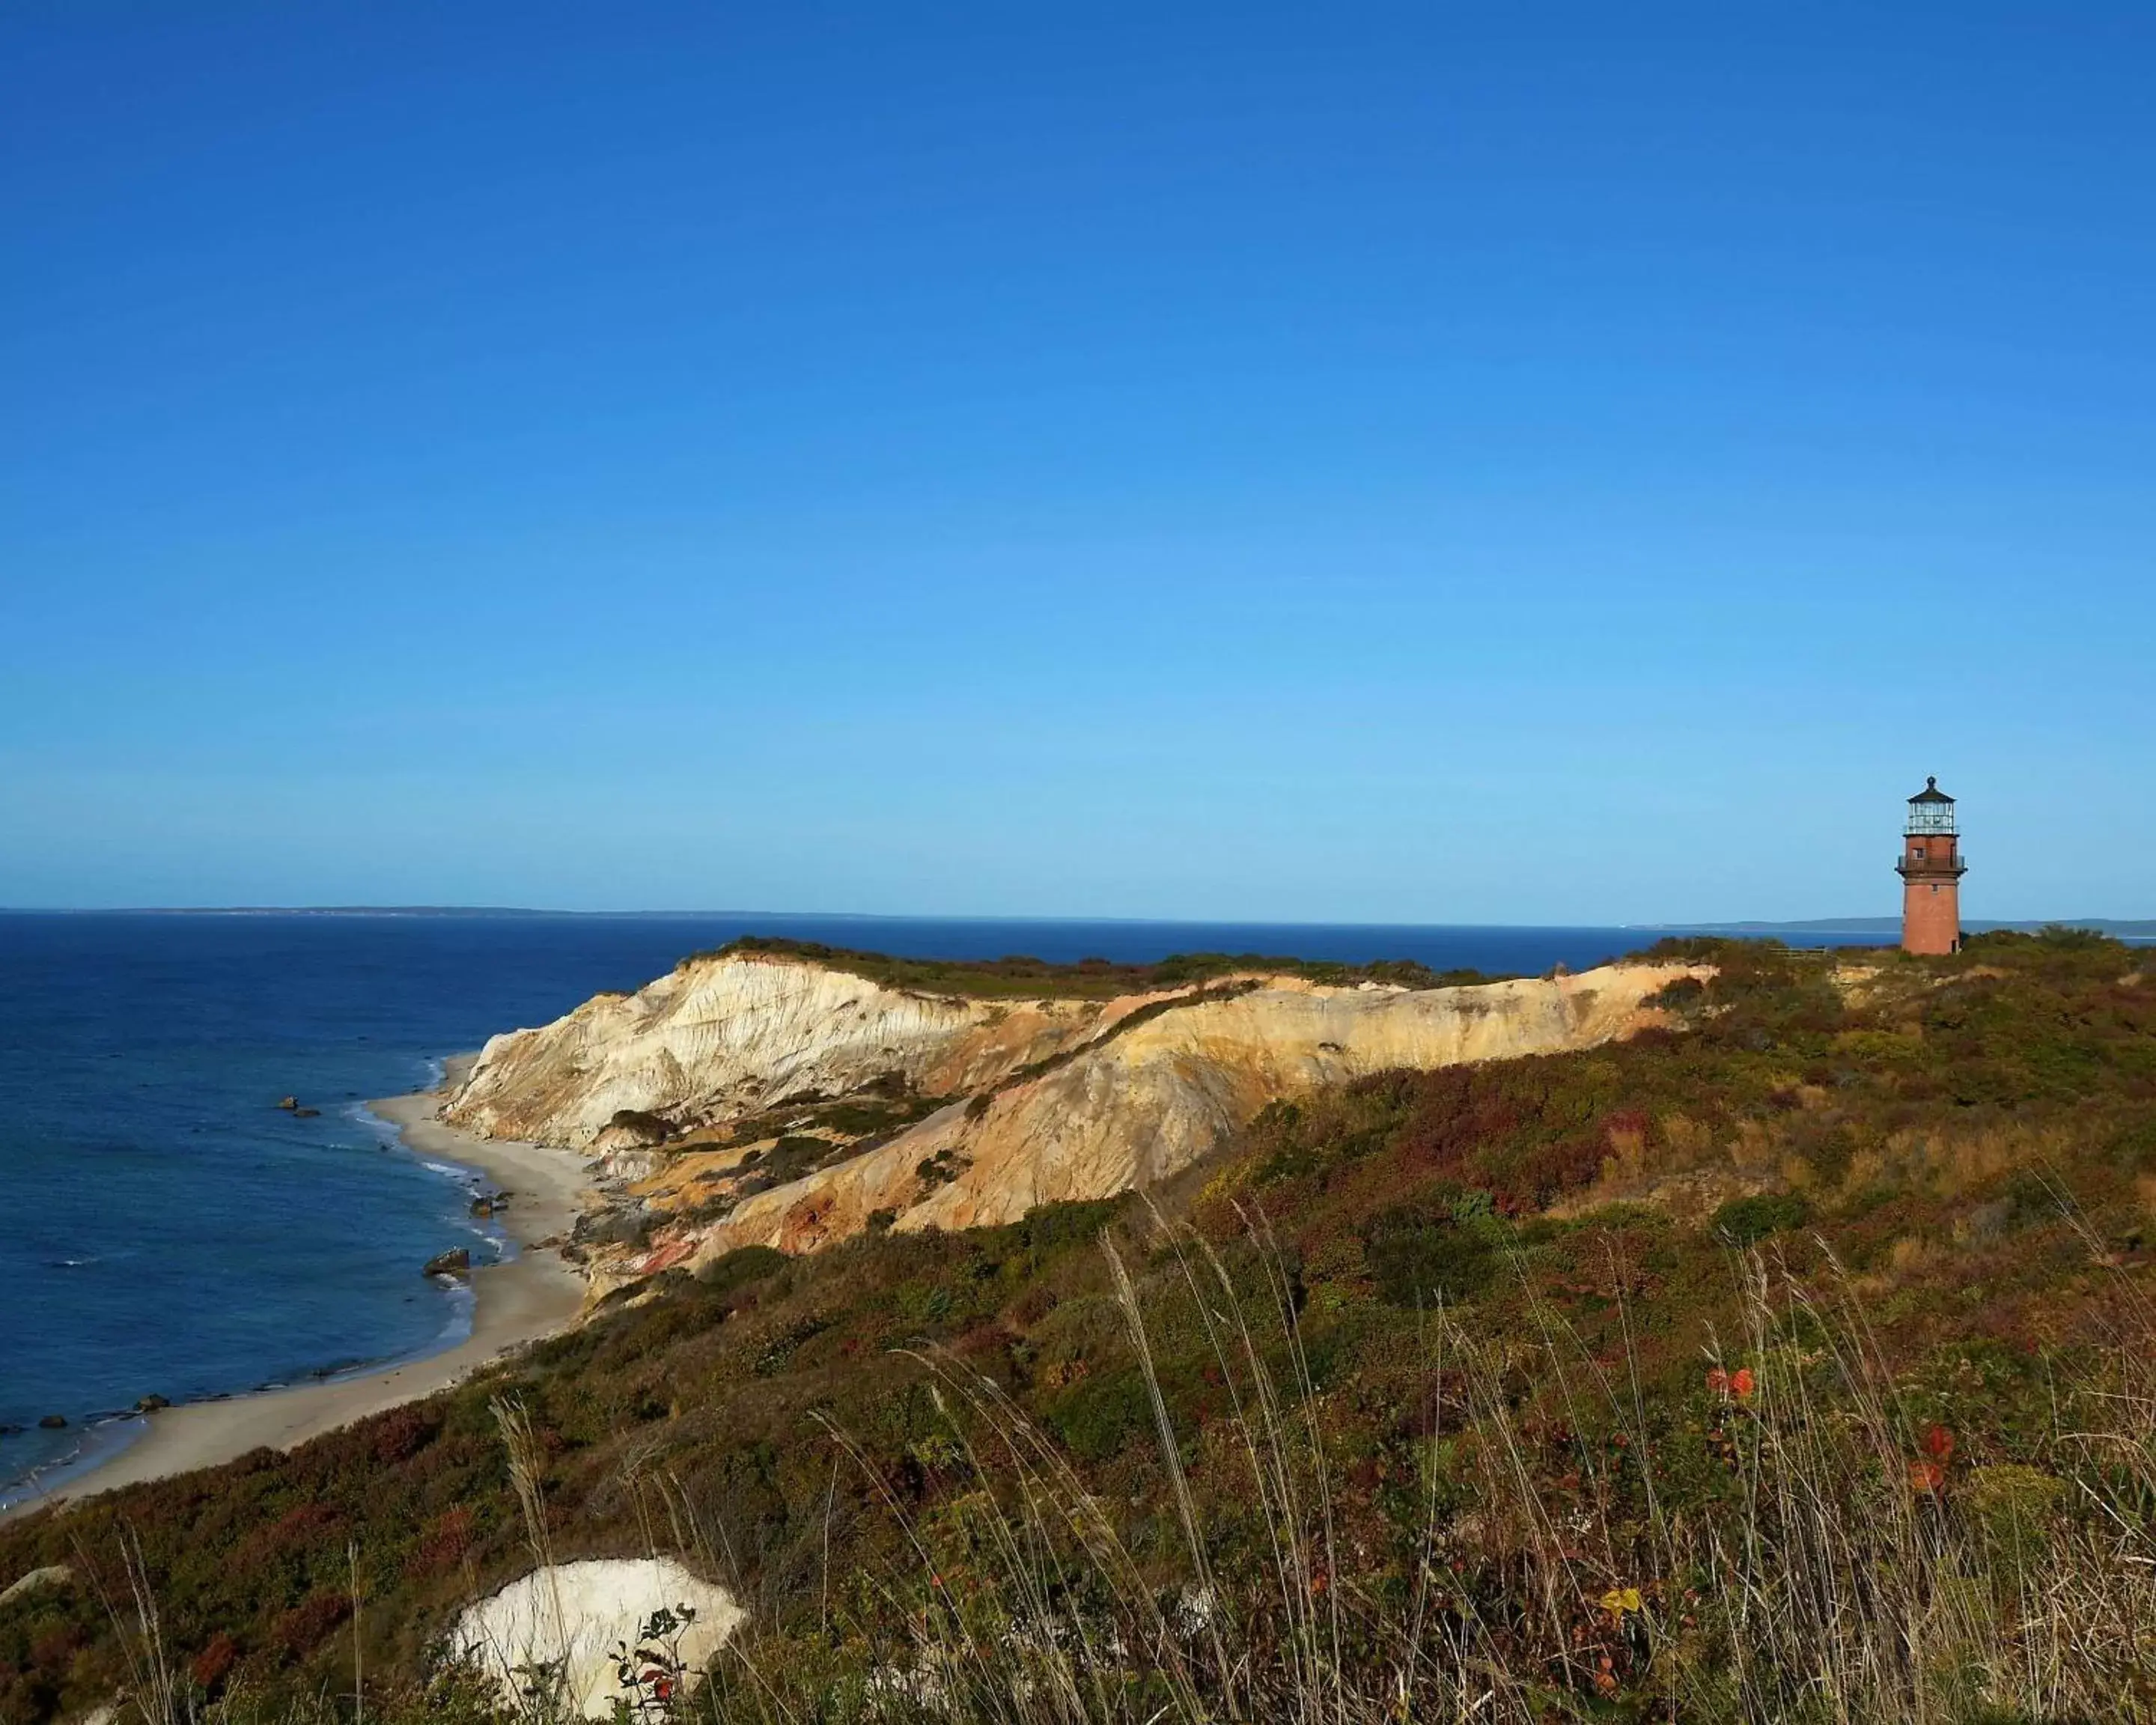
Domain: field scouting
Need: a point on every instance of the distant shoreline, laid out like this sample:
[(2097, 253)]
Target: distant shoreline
[(1888, 927), (533, 1296)]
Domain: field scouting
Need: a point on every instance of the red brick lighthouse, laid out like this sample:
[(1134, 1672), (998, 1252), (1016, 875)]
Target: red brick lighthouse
[(1930, 868)]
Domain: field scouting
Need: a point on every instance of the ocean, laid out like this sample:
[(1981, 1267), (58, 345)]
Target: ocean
[(167, 1229)]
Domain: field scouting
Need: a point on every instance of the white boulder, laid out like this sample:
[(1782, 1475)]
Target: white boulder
[(576, 1614)]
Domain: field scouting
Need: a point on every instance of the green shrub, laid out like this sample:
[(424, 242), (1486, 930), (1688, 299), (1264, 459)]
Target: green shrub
[(739, 1268), (1058, 1227), (1102, 1413), (791, 1157), (945, 1166), (1746, 1221), (1420, 1258)]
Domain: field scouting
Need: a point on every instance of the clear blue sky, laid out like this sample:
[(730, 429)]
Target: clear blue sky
[(1510, 463)]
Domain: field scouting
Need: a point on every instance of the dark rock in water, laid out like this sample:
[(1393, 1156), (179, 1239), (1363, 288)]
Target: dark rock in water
[(7, 1431), (151, 1404), (53, 1422), (288, 1103), (306, 1114), (483, 1207), (457, 1263)]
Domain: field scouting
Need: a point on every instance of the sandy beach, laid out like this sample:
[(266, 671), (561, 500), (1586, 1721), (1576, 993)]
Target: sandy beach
[(533, 1296)]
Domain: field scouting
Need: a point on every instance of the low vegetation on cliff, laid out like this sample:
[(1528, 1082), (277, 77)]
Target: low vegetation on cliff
[(1089, 978), (1795, 1361)]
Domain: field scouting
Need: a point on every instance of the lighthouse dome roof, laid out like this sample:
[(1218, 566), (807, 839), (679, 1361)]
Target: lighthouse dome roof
[(1931, 793)]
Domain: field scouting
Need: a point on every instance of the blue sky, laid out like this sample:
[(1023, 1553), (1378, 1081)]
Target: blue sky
[(1521, 463)]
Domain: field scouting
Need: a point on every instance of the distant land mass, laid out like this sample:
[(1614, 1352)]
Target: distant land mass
[(2123, 928), (337, 911)]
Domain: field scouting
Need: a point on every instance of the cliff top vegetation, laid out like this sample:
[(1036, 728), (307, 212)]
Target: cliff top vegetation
[(1018, 976)]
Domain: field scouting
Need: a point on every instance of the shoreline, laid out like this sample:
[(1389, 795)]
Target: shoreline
[(531, 1296)]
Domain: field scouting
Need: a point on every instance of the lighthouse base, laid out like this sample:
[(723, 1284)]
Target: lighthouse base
[(1930, 916)]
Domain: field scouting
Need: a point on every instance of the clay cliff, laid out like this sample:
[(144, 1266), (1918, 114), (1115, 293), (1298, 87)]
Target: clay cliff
[(755, 1099), (729, 1035), (1145, 1104)]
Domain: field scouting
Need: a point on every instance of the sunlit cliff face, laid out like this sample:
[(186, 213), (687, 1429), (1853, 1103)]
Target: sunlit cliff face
[(720, 1038), (1127, 1097)]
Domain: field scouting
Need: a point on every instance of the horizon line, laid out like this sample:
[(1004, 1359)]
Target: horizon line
[(1854, 925)]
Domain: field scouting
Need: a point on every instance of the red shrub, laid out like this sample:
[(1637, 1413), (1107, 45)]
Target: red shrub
[(403, 1433), (1632, 1122), (301, 1526), (303, 1628), (449, 1537), (1546, 1172), (214, 1662), (1032, 1306), (989, 1338), (55, 1649)]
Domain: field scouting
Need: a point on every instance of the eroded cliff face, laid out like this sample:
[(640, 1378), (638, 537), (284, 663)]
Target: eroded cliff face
[(1147, 1104), (723, 1038), (728, 1067)]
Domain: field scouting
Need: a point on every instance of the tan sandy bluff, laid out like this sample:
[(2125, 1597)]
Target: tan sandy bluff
[(1026, 1100)]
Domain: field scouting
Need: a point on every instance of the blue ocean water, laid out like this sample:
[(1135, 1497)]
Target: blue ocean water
[(165, 1228)]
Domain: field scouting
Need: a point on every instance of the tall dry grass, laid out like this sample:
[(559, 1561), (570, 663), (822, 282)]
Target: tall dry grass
[(1852, 1576), (1845, 1573)]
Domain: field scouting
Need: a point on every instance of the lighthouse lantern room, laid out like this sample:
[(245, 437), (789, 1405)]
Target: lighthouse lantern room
[(1931, 866)]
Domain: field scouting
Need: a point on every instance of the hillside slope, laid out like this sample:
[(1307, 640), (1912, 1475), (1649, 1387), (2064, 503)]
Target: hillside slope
[(1803, 1347), (713, 1087)]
